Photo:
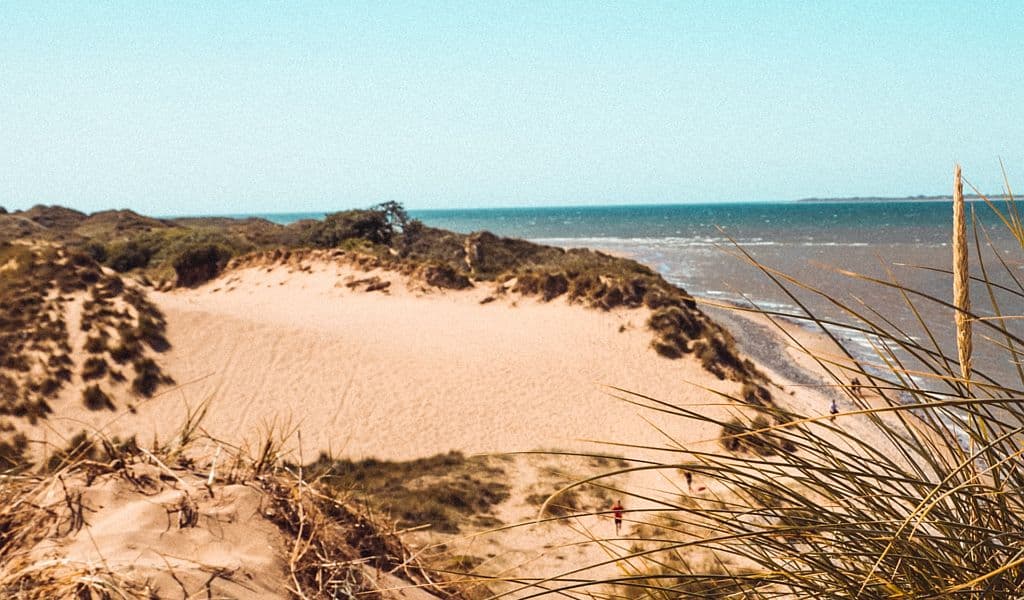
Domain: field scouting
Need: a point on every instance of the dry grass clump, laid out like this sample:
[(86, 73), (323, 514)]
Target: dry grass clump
[(445, 277), (96, 399), (95, 344), (755, 436), (94, 368), (560, 504), (331, 548), (13, 448), (674, 573), (148, 377)]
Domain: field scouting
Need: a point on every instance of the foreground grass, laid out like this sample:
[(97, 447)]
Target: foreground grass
[(326, 544)]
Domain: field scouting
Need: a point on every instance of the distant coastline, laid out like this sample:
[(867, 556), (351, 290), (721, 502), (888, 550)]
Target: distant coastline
[(922, 198)]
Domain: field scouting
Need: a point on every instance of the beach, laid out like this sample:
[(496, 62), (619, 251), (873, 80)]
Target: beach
[(458, 385)]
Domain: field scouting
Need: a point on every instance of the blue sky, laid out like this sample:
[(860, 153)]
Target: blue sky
[(173, 108)]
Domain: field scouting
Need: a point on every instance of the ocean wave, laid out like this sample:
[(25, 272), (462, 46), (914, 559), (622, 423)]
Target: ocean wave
[(684, 242)]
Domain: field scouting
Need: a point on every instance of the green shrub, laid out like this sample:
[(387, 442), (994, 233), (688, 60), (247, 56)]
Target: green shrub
[(96, 251)]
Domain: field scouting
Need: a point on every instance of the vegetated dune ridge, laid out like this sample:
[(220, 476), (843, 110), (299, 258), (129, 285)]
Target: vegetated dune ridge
[(404, 372)]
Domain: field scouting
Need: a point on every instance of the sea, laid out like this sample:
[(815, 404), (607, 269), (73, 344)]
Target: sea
[(840, 261)]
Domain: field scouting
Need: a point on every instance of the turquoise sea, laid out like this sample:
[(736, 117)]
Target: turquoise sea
[(701, 248)]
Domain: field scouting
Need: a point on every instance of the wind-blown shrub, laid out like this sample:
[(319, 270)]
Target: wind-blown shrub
[(371, 225)]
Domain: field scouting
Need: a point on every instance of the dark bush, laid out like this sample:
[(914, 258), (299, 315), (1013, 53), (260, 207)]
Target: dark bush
[(444, 276), (548, 285), (96, 399), (200, 263), (96, 251), (132, 254), (566, 503), (50, 386), (78, 448), (94, 368), (95, 344), (756, 394), (666, 348), (737, 437), (152, 332), (148, 377)]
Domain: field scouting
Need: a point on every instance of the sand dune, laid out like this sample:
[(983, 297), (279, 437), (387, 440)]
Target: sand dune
[(406, 373)]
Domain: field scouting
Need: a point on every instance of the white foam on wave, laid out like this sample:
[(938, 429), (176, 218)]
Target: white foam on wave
[(687, 242), (657, 242)]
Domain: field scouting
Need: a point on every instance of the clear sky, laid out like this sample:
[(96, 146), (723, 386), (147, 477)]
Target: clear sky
[(174, 108)]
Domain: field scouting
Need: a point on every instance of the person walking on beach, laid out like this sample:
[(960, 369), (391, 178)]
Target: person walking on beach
[(857, 388), (833, 410), (617, 514)]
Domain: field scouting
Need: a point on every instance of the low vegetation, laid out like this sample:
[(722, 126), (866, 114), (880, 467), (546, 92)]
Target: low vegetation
[(40, 282), (95, 398), (441, 491)]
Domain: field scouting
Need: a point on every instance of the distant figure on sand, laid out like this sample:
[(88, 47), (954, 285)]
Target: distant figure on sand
[(617, 513), (833, 409), (689, 481), (858, 389)]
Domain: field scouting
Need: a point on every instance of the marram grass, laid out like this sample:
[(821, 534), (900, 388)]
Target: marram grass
[(928, 506)]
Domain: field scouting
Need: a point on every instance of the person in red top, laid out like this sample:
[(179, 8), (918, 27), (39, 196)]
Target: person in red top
[(617, 513)]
